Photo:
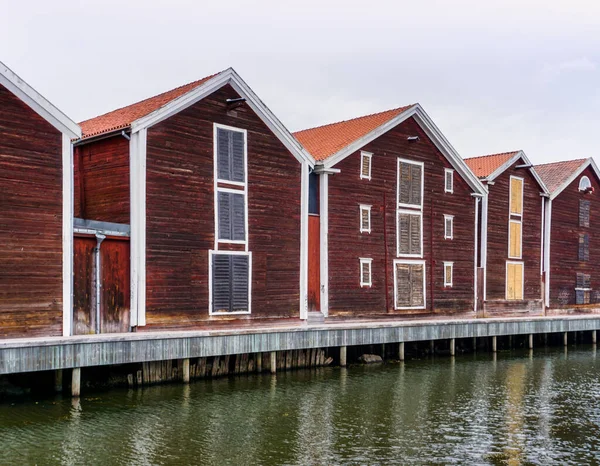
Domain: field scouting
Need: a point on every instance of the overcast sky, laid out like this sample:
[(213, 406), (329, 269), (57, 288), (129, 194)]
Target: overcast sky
[(493, 75)]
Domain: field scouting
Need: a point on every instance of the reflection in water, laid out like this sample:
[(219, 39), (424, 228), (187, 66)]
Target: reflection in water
[(510, 408)]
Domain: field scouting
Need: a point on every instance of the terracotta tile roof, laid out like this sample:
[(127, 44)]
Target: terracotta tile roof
[(123, 117), (324, 141), (483, 166), (555, 174)]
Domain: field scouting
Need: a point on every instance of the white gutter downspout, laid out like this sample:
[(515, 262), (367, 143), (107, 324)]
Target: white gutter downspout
[(99, 239), (547, 227), (475, 281), (484, 227)]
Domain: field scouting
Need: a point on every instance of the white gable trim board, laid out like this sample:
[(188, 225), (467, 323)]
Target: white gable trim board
[(588, 163), (509, 163), (230, 77), (37, 103), (432, 131)]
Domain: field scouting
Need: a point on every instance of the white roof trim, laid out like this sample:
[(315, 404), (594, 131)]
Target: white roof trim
[(588, 162), (228, 76), (37, 103), (427, 124), (505, 166)]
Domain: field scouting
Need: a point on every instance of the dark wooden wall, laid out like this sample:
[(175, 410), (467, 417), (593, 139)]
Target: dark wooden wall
[(564, 244), (180, 216), (101, 170), (30, 222), (497, 243), (347, 244)]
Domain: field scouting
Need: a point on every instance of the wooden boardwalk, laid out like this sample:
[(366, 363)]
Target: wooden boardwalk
[(57, 353)]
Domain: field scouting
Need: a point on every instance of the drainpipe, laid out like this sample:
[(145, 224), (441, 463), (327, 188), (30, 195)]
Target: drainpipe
[(99, 239)]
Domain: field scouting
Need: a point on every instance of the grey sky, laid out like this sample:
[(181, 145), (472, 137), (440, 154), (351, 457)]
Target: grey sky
[(493, 75)]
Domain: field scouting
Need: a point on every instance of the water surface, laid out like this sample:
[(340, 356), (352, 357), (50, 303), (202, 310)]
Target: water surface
[(516, 408)]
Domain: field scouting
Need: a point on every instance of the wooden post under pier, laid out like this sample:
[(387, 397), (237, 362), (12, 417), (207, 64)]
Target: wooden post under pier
[(273, 362), (343, 354), (531, 341), (186, 370), (58, 380), (401, 352), (494, 344), (452, 346), (76, 382), (565, 339), (594, 337)]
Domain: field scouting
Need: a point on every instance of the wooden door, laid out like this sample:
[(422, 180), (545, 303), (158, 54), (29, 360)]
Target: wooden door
[(114, 313), (314, 263), (114, 294), (84, 285)]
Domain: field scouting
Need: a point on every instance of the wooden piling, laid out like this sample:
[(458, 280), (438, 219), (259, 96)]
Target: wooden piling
[(452, 346), (186, 370), (565, 339), (273, 362), (401, 352), (432, 346), (58, 381), (76, 382), (258, 362), (594, 337), (343, 353), (494, 344), (474, 344), (531, 341)]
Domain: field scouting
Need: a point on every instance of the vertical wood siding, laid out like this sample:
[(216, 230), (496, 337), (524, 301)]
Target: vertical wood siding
[(564, 244), (180, 216), (30, 222), (498, 239), (102, 180), (347, 244)]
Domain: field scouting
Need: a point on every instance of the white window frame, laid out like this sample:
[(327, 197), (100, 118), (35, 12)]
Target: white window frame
[(367, 208), (446, 218), (581, 181), (510, 196), (449, 172), (411, 212), (218, 188), (409, 206), (522, 280), (217, 126), (449, 284), (211, 253), (413, 262), (233, 191), (365, 261), (512, 220), (368, 155)]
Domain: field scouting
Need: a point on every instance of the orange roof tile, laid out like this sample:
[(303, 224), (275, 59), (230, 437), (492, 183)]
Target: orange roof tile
[(555, 174), (123, 117), (484, 165), (324, 141)]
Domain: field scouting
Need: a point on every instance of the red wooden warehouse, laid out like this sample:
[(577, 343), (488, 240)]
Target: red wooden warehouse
[(193, 199), (35, 211), (511, 233), (394, 228), (572, 255)]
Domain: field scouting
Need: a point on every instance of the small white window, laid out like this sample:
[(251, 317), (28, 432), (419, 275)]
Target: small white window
[(365, 272), (365, 218), (448, 180), (365, 165), (448, 226), (584, 183), (448, 274)]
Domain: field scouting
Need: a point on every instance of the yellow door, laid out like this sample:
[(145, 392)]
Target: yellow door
[(514, 280)]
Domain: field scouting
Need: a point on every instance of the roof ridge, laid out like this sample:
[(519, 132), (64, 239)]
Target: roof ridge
[(201, 80), (404, 107)]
